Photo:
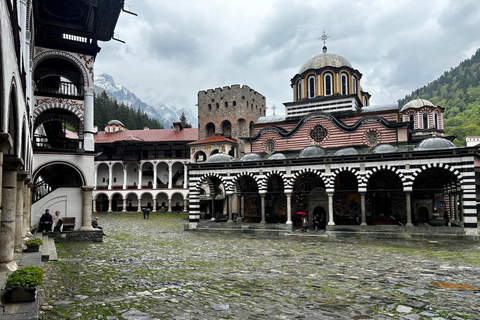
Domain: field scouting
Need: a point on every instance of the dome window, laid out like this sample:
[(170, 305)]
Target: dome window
[(311, 86), (299, 90), (344, 84), (425, 121), (318, 133), (328, 84), (270, 146), (354, 84), (436, 121)]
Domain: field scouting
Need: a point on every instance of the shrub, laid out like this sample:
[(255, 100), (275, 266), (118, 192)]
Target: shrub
[(34, 242), (25, 278)]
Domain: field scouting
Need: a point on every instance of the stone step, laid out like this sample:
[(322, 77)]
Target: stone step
[(45, 249), (52, 250)]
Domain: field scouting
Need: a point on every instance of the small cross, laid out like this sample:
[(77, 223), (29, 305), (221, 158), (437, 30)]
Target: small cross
[(324, 38), (273, 108)]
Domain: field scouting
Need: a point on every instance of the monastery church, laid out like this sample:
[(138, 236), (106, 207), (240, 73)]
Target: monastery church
[(331, 155)]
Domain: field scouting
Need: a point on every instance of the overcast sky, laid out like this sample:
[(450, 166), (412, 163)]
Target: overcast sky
[(174, 49)]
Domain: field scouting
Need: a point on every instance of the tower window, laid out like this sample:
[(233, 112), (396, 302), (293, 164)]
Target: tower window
[(226, 104), (344, 84), (436, 121), (328, 88), (234, 103), (299, 90), (217, 105), (354, 84), (209, 106), (311, 86), (425, 121)]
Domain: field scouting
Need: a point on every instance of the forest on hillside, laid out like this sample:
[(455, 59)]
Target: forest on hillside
[(458, 91), (107, 109)]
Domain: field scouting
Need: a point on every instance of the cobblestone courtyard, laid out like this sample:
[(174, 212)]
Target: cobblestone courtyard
[(152, 269)]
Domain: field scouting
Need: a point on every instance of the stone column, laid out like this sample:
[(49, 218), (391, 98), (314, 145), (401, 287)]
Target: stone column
[(155, 176), (139, 205), (213, 208), (169, 176), (289, 207), (362, 208), (262, 201), (28, 208), (330, 208), (455, 206), (87, 208), (9, 206), (229, 207), (88, 142), (185, 176), (409, 208), (154, 204), (109, 205), (462, 217), (124, 209), (95, 177), (94, 206), (139, 176), (110, 177), (124, 179), (169, 205), (185, 205), (19, 226), (242, 207), (450, 216)]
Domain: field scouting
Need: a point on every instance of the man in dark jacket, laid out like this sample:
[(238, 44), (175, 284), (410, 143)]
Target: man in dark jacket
[(46, 222)]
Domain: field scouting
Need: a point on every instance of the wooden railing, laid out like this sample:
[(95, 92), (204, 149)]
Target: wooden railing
[(60, 88), (47, 142)]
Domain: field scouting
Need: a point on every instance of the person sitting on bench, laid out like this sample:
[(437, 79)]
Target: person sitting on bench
[(46, 222), (57, 222)]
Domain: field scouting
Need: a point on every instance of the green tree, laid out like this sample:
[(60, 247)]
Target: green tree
[(183, 120)]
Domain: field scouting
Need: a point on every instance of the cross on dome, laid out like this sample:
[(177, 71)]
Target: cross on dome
[(324, 38)]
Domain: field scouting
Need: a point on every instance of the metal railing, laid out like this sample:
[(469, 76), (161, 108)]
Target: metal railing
[(59, 88), (48, 142)]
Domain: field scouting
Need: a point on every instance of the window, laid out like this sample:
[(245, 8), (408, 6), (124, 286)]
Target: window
[(411, 118), (209, 106), (311, 87), (226, 104), (270, 146), (234, 103), (372, 138), (299, 90), (436, 121), (103, 180), (344, 84), (425, 121), (114, 179), (318, 133), (328, 88), (354, 84), (217, 105)]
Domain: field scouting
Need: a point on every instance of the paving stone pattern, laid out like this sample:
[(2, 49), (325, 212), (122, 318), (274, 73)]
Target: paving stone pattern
[(152, 269)]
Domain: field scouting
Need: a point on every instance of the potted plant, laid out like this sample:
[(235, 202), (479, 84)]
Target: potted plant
[(34, 244), (22, 284)]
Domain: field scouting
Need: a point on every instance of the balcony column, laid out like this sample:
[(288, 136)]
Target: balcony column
[(262, 202), (185, 176), (185, 205), (94, 206), (408, 204), (330, 208), (289, 207), (154, 203), (139, 206), (88, 142), (110, 174), (109, 205), (155, 175), (87, 208), (124, 178), (140, 175), (169, 205), (170, 176), (19, 226), (28, 208), (95, 177), (8, 214), (124, 209)]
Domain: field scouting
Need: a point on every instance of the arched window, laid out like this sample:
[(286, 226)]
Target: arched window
[(328, 84), (412, 120), (425, 121), (344, 84), (311, 87), (217, 105), (436, 121), (234, 103), (299, 90), (354, 84), (226, 104), (209, 106)]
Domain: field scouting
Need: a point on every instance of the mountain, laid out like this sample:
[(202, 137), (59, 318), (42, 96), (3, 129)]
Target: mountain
[(458, 91), (166, 115)]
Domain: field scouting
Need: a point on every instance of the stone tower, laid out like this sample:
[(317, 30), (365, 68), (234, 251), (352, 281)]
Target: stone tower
[(230, 111)]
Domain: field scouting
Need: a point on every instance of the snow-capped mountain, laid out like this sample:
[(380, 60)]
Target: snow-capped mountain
[(166, 115)]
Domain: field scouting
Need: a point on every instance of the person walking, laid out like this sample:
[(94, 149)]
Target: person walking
[(316, 222), (304, 223)]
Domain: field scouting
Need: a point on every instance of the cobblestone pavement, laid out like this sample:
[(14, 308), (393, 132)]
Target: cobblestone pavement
[(152, 269)]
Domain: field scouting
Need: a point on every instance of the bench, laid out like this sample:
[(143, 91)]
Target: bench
[(68, 223)]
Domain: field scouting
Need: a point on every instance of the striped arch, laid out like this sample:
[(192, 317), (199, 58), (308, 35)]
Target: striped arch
[(206, 179), (65, 56), (444, 166), (57, 103), (338, 171), (374, 170), (263, 185), (235, 179), (289, 184)]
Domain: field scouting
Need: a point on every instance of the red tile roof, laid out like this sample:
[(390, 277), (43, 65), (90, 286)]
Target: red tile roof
[(213, 140), (154, 135)]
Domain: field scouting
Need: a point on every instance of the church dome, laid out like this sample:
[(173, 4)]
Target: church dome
[(277, 156), (111, 122), (346, 152), (435, 143), (251, 157), (325, 59), (219, 157), (312, 152), (384, 148), (417, 104)]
